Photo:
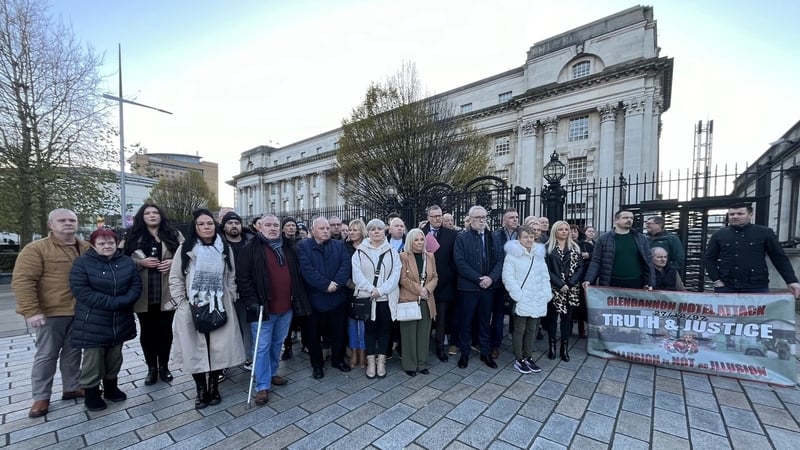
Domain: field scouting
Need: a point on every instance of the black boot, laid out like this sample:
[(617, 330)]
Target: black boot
[(92, 399), (442, 354), (551, 352), (213, 388), (152, 376), (112, 392), (202, 399), (565, 351)]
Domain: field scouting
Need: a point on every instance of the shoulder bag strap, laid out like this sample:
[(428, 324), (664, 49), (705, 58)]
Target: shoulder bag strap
[(378, 269), (529, 272)]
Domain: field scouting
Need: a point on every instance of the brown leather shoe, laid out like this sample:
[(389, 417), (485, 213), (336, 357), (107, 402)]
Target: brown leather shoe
[(39, 408), (279, 380), (72, 395), (262, 397)]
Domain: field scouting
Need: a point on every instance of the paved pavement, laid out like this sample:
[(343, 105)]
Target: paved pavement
[(586, 403)]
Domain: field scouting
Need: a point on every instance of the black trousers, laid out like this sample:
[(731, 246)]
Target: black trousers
[(156, 335), (551, 322), (332, 324)]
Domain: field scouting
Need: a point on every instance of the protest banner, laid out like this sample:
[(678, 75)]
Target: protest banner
[(748, 336)]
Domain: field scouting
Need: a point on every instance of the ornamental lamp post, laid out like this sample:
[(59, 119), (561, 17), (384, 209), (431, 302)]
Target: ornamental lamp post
[(554, 195), (390, 199)]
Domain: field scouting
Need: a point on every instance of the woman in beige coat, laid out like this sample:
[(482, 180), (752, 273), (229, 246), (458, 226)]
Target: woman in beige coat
[(203, 272), (418, 279)]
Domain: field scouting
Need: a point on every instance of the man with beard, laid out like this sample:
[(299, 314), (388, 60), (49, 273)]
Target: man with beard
[(231, 226)]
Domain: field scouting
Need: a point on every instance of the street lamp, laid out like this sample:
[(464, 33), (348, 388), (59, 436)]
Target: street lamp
[(390, 199), (554, 195), (122, 194)]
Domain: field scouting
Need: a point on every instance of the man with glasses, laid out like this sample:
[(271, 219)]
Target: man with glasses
[(445, 292), (479, 263), (336, 228)]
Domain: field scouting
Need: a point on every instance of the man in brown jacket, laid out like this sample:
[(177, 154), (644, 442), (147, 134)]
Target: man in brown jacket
[(41, 287)]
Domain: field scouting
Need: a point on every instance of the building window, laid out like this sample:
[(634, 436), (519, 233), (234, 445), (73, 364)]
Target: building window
[(301, 182), (576, 170), (579, 128), (288, 157), (272, 207), (301, 203), (581, 69), (274, 162), (302, 154), (504, 97), (316, 202), (502, 174), (466, 108), (501, 145), (576, 210), (285, 187), (336, 145), (315, 181), (249, 165)]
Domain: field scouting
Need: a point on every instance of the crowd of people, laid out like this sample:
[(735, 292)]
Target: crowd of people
[(356, 293)]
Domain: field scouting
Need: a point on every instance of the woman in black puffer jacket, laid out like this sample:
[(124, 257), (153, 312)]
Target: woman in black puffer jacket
[(106, 284)]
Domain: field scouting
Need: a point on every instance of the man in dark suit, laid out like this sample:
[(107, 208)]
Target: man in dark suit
[(479, 262), (445, 292), (508, 232)]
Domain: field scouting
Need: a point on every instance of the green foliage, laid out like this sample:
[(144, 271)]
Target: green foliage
[(395, 137), (180, 196), (53, 125)]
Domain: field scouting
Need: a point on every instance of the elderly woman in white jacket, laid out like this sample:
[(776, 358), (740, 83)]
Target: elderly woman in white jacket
[(376, 274), (527, 280)]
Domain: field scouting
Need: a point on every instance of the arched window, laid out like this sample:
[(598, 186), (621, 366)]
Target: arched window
[(581, 69)]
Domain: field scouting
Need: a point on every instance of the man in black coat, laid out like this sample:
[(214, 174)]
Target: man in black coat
[(735, 257), (621, 257), (479, 262), (508, 232), (445, 292)]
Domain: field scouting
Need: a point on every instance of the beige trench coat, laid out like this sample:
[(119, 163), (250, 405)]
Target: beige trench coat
[(192, 348)]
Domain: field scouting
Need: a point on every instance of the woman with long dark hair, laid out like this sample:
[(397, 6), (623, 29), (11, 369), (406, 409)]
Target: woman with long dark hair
[(566, 268), (151, 242), (203, 274)]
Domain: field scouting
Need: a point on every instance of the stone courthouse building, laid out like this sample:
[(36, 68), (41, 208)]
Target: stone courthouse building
[(594, 95)]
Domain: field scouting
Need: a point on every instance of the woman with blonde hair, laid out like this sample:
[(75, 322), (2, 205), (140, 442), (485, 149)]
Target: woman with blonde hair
[(418, 279), (565, 264), (356, 233)]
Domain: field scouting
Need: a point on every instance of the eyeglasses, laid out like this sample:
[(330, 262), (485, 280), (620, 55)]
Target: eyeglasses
[(478, 217)]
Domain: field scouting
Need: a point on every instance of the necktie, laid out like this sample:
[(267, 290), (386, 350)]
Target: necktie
[(435, 232)]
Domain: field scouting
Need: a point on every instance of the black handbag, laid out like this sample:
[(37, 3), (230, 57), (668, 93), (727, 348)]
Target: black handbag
[(360, 308), (207, 319)]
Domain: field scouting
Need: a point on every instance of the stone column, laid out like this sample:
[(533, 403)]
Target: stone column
[(290, 194), (323, 197), (606, 154), (633, 149), (526, 164)]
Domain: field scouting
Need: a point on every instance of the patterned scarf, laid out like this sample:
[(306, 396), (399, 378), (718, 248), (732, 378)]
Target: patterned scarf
[(206, 280), (277, 247), (571, 297)]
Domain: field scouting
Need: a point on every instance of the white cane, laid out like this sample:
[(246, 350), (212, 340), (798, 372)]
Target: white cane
[(255, 355)]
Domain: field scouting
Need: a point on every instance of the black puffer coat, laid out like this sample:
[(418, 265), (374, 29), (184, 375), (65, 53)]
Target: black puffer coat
[(105, 290)]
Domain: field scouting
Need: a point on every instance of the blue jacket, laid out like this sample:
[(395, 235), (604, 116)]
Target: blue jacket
[(467, 256), (105, 292), (319, 265)]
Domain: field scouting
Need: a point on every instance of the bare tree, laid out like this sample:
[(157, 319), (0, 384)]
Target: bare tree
[(181, 196), (396, 137), (52, 123)]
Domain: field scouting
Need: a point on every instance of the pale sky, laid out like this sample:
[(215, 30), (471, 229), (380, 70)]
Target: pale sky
[(238, 74)]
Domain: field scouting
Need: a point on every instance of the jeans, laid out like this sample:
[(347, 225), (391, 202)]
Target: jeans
[(273, 331), (355, 332)]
